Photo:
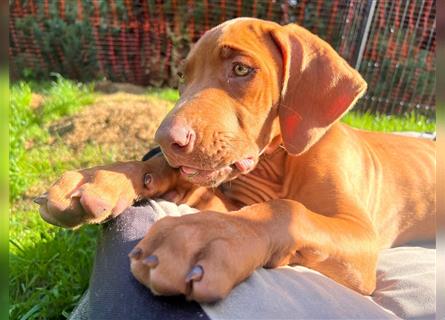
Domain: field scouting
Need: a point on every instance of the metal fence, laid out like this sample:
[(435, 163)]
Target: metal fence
[(391, 43)]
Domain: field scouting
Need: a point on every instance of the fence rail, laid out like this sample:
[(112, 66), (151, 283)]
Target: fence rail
[(391, 43)]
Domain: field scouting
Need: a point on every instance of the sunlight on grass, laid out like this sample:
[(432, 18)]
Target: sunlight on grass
[(168, 94), (48, 267), (65, 97), (27, 126), (389, 123)]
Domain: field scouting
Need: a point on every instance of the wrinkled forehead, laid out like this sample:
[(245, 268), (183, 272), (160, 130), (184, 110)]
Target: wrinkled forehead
[(247, 35)]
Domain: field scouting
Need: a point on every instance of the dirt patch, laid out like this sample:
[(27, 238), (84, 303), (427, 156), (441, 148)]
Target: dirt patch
[(122, 121), (37, 101)]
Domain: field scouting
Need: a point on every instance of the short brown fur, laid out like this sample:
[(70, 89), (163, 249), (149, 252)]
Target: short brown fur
[(322, 195)]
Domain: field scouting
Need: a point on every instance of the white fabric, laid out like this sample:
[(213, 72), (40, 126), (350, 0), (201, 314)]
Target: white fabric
[(294, 293), (406, 282), (405, 287), (424, 135)]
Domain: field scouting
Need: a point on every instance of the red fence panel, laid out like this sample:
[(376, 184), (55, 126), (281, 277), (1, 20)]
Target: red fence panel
[(142, 41)]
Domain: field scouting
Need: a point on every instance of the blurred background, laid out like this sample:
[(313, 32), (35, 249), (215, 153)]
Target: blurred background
[(90, 80), (391, 43)]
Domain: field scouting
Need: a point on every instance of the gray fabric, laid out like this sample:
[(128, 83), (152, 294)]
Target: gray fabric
[(405, 284), (81, 310), (294, 293), (114, 293), (405, 287), (406, 280)]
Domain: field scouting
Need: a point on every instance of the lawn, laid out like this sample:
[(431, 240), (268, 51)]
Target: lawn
[(49, 267)]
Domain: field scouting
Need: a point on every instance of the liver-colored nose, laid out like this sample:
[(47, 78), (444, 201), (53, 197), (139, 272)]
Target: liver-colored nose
[(176, 136)]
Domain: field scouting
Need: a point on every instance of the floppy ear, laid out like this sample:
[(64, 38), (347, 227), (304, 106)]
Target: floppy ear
[(318, 87)]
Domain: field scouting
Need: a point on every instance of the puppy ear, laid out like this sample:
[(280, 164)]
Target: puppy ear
[(318, 87)]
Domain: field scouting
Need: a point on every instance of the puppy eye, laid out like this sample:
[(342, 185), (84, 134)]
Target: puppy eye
[(181, 76), (241, 70)]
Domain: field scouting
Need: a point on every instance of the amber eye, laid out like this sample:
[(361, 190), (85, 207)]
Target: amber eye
[(241, 70), (181, 77)]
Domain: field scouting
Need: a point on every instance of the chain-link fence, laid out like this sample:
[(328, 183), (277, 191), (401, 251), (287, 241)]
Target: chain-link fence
[(392, 43)]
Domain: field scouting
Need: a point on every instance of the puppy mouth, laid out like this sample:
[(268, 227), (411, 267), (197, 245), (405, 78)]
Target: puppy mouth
[(216, 176)]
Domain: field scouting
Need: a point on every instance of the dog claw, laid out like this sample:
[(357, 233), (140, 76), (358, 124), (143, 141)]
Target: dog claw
[(76, 194), (40, 200), (136, 253), (147, 179), (195, 274), (151, 261)]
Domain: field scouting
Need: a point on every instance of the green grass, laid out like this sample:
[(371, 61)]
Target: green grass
[(27, 126), (50, 267), (165, 94), (389, 123)]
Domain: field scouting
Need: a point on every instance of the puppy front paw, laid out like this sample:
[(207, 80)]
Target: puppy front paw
[(202, 256)]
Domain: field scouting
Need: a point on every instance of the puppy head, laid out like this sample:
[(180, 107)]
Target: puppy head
[(246, 83)]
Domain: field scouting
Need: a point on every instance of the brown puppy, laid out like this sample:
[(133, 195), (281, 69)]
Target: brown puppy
[(258, 117)]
